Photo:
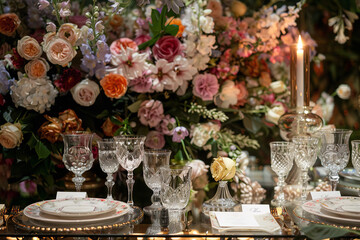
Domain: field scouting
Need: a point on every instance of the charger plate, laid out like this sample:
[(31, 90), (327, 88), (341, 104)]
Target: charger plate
[(343, 206), (132, 217)]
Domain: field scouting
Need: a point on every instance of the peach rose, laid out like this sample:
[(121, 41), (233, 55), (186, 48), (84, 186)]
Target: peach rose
[(265, 79), (69, 32), (47, 38), (176, 21), (115, 47), (11, 135), (59, 51), (51, 129), (9, 22), (114, 85), (71, 122), (37, 68), (29, 48)]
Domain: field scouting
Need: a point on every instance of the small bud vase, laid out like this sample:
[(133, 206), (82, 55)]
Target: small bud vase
[(222, 200)]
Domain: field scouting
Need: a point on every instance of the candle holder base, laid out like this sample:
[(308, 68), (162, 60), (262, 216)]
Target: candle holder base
[(299, 121)]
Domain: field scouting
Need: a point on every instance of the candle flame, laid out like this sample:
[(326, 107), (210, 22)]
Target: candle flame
[(300, 46)]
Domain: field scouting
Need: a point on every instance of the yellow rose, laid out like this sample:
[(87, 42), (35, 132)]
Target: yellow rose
[(223, 168), (29, 48), (238, 8), (10, 135)]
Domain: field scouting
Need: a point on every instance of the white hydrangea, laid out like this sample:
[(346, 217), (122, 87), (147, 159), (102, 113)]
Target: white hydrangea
[(34, 94)]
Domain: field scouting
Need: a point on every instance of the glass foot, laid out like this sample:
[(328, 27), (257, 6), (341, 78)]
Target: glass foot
[(149, 210)]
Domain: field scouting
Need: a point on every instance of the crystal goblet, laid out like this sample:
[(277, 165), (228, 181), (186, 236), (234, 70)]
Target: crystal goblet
[(78, 157), (130, 152), (305, 154), (109, 162), (153, 160), (355, 156), (334, 152), (281, 163)]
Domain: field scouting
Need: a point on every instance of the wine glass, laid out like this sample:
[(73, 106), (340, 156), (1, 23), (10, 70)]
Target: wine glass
[(305, 154), (78, 157), (109, 162), (355, 156), (281, 163), (334, 152), (153, 160), (130, 152)]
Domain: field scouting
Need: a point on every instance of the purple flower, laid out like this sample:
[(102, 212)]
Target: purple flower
[(88, 64), (179, 134), (155, 140), (27, 187), (43, 4), (103, 52), (141, 84), (5, 82), (167, 125)]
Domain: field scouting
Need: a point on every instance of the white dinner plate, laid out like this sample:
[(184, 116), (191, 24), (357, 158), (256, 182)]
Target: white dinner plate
[(342, 206), (314, 207), (33, 212), (77, 207), (350, 173)]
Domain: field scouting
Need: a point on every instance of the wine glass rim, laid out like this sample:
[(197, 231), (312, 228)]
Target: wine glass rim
[(76, 133), (106, 140), (156, 151), (129, 137), (337, 130), (305, 137)]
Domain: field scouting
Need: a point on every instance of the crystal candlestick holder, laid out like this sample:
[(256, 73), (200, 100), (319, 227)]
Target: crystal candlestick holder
[(222, 200)]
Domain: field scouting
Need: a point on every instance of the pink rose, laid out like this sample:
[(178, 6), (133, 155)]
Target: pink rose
[(155, 140), (151, 112), (121, 44), (167, 47), (205, 86), (59, 51), (141, 39), (242, 96)]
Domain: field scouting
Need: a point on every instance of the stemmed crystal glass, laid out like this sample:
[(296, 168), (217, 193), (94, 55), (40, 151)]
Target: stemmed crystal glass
[(78, 157), (355, 156), (334, 152), (130, 152), (281, 163), (153, 160), (305, 154), (109, 162)]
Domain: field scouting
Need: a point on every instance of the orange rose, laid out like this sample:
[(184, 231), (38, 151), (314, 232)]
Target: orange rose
[(29, 48), (114, 85), (9, 22), (116, 21), (37, 68), (71, 122), (109, 128), (116, 46), (176, 21), (51, 129)]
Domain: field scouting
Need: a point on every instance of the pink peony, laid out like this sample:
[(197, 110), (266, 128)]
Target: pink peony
[(205, 86), (151, 112), (167, 47), (242, 96), (155, 140)]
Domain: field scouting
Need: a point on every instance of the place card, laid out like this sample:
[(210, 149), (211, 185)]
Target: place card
[(326, 194), (67, 195), (236, 219), (256, 208)]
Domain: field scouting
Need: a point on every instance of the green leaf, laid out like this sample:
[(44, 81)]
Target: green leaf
[(41, 150), (103, 114), (163, 17), (155, 26), (135, 106), (116, 121), (149, 43), (214, 148), (179, 156), (172, 29), (32, 141)]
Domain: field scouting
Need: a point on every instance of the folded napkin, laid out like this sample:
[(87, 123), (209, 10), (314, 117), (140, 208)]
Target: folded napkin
[(243, 221)]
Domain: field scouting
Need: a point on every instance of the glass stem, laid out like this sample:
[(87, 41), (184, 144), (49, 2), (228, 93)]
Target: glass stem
[(78, 181), (155, 198), (130, 184), (281, 185), (109, 184), (304, 178), (334, 179)]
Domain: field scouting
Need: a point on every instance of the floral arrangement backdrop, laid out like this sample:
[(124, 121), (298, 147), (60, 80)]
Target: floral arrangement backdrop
[(202, 78)]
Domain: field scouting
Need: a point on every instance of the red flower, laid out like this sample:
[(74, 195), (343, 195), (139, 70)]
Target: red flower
[(17, 60), (2, 100), (68, 79)]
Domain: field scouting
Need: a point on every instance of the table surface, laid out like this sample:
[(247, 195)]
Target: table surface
[(200, 227)]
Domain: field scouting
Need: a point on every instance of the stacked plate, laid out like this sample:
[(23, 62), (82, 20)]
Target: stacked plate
[(78, 210), (349, 184), (342, 210)]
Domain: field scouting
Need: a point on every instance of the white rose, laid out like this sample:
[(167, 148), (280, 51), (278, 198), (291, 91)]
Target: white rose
[(85, 92), (227, 96), (278, 86), (206, 24), (274, 114), (223, 168), (343, 91), (10, 135)]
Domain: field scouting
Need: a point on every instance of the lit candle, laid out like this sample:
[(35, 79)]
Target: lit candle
[(300, 74)]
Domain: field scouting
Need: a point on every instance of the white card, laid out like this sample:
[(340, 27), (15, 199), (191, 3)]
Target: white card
[(326, 194), (256, 208), (67, 195), (236, 219)]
